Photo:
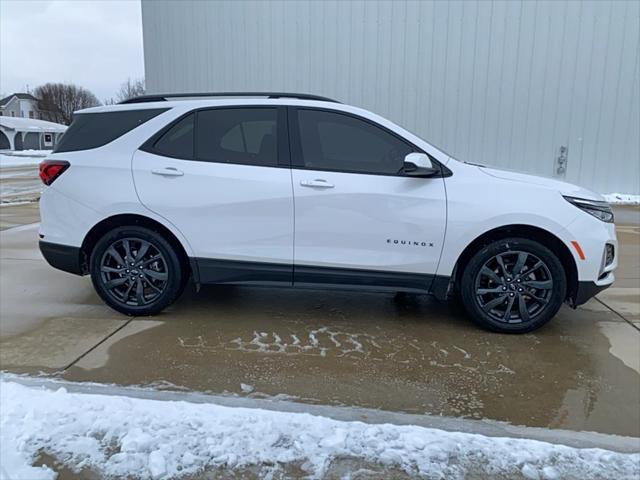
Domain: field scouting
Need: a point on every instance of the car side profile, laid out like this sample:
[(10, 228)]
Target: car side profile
[(298, 190)]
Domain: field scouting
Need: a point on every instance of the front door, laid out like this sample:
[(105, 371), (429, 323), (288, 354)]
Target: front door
[(221, 177), (358, 220)]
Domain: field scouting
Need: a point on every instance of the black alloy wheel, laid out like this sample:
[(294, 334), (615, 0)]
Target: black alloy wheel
[(136, 271), (513, 285)]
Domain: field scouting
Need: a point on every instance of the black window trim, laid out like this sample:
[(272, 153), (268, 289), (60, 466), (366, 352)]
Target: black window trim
[(295, 143), (284, 154)]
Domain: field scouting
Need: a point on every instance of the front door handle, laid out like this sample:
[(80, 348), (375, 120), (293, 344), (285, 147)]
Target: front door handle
[(317, 183), (168, 172)]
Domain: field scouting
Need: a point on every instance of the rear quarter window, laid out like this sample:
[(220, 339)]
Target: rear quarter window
[(177, 141), (93, 130)]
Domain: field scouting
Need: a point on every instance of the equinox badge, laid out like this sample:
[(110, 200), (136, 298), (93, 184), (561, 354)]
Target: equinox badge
[(409, 243)]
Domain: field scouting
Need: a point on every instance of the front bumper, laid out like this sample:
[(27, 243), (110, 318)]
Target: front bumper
[(586, 290), (586, 238), (62, 257), (591, 235)]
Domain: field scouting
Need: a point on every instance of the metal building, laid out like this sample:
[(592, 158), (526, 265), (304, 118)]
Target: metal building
[(548, 87)]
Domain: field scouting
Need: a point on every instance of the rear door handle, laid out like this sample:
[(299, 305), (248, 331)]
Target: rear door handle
[(317, 183), (168, 172)]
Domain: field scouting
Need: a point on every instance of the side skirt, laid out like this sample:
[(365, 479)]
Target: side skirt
[(258, 273), (332, 277), (244, 273)]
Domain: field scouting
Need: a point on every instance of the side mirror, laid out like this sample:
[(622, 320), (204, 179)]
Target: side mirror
[(419, 165)]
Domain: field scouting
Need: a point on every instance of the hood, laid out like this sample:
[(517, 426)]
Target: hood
[(564, 188)]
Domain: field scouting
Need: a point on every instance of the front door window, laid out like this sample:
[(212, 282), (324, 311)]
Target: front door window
[(338, 142)]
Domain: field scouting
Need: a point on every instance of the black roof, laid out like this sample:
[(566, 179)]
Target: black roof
[(164, 96), (21, 96)]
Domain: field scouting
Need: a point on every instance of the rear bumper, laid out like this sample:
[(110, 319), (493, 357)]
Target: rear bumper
[(62, 257)]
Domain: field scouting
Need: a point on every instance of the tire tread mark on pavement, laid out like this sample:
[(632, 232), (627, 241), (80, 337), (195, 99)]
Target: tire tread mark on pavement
[(82, 355), (619, 314)]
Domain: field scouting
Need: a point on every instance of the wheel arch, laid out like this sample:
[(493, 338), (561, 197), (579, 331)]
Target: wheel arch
[(101, 228), (544, 237)]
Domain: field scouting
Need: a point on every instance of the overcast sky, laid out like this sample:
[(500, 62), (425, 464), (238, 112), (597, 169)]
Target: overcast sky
[(94, 44)]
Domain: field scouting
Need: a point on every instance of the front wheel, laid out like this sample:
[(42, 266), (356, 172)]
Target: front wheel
[(514, 285), (136, 271)]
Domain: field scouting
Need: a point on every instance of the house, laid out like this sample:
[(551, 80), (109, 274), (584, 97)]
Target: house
[(17, 133), (20, 105)]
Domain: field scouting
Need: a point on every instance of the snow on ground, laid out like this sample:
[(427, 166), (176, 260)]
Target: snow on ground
[(622, 198), (19, 181), (116, 436), (26, 153), (23, 157)]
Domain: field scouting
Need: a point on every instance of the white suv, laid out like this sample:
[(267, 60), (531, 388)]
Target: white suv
[(299, 190)]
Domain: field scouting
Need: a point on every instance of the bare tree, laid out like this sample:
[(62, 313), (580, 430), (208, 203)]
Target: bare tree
[(58, 101), (130, 89)]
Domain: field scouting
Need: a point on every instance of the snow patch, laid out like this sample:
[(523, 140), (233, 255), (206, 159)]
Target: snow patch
[(622, 198), (116, 436), (246, 388), (157, 464), (22, 158)]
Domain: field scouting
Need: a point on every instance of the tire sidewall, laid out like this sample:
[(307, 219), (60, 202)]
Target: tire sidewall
[(467, 285), (175, 274)]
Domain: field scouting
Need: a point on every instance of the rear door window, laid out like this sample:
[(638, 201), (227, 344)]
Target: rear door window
[(247, 136), (93, 130)]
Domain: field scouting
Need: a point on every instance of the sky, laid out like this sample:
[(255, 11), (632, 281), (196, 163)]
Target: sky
[(94, 44)]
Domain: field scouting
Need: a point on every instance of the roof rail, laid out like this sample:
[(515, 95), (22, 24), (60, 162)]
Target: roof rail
[(160, 97)]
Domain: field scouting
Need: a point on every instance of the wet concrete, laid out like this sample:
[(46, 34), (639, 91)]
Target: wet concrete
[(32, 293), (406, 354), (624, 296), (15, 215), (373, 351)]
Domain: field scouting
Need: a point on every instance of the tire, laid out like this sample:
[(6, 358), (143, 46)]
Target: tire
[(513, 285), (145, 286)]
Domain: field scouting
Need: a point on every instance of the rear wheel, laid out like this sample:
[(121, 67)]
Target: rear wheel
[(513, 285), (136, 271)]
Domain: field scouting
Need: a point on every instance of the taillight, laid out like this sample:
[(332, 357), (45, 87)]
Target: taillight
[(52, 169)]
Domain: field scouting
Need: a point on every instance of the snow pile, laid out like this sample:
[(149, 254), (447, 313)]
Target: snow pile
[(622, 198), (125, 437)]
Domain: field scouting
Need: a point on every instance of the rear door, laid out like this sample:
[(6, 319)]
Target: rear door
[(358, 219), (221, 176)]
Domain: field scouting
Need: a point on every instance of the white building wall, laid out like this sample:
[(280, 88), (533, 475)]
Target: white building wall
[(505, 83)]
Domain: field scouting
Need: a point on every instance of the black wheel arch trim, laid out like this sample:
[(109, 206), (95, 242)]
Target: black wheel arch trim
[(546, 238), (133, 219)]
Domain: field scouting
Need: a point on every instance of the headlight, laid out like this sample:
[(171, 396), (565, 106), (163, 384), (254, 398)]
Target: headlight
[(600, 210)]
